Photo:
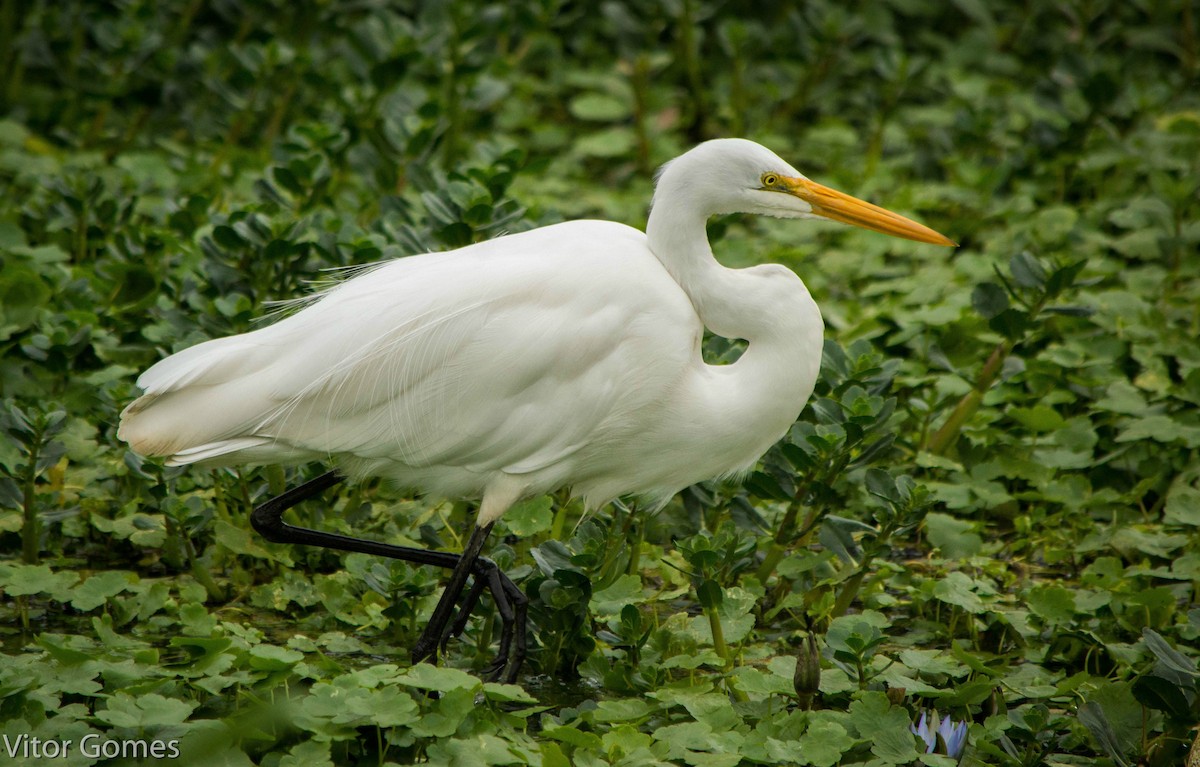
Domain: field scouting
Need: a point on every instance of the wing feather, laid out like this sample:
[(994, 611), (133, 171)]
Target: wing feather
[(509, 355)]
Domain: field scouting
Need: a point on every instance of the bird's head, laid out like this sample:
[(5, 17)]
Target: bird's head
[(739, 176)]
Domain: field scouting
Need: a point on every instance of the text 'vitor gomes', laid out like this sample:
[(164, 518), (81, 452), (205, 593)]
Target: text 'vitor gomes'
[(90, 746)]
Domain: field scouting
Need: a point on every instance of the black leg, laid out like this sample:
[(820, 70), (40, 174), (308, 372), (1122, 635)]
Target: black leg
[(512, 605), (431, 637), (267, 519)]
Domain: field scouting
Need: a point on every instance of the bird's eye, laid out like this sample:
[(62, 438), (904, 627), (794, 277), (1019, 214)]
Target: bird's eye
[(770, 179)]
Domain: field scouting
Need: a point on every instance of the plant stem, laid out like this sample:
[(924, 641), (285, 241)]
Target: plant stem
[(786, 534), (560, 520), (640, 84), (30, 531), (850, 590), (198, 570), (970, 402), (635, 555), (691, 60), (718, 635)]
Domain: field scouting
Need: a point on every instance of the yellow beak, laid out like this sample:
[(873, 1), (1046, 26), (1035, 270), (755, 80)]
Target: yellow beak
[(839, 206)]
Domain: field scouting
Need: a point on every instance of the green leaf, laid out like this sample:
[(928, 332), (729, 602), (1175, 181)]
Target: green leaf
[(612, 142), (227, 237), (1052, 225), (507, 693), (145, 711), (1010, 323), (573, 737), (147, 530), (955, 537), (447, 714), (758, 682), (1160, 428), (23, 580), (22, 295), (855, 637), (427, 677), (625, 590), (824, 742), (989, 299), (241, 541), (1053, 604), (1162, 695), (552, 556), (886, 726), (530, 517), (1183, 505), (1168, 655), (310, 753), (623, 710), (1039, 418), (388, 706), (273, 658), (709, 594), (97, 590), (599, 107), (958, 589), (1092, 716)]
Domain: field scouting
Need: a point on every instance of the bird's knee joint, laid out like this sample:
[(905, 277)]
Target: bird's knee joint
[(267, 524), (484, 566)]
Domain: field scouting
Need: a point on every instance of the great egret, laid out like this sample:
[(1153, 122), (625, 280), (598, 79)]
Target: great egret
[(566, 356)]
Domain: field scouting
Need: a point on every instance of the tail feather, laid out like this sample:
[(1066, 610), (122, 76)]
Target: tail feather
[(215, 450), (200, 403)]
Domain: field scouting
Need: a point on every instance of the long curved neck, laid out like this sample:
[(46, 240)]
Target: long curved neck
[(678, 237), (768, 385)]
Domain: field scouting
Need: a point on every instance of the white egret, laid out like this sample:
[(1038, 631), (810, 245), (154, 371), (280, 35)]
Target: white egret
[(566, 356)]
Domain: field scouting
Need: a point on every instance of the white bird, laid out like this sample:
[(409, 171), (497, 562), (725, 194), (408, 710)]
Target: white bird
[(566, 356)]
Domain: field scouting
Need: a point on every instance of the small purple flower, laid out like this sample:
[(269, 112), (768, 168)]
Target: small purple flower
[(944, 736)]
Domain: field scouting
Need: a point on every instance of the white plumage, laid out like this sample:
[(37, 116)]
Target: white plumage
[(564, 356)]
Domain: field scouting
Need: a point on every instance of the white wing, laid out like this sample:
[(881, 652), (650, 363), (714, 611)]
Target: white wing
[(507, 356)]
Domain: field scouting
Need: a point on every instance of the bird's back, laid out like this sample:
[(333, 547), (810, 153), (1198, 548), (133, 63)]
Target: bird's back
[(524, 355)]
